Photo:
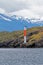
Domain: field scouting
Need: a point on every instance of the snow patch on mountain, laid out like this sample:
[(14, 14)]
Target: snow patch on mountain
[(5, 18), (16, 17)]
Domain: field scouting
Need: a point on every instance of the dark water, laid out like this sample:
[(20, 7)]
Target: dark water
[(21, 56)]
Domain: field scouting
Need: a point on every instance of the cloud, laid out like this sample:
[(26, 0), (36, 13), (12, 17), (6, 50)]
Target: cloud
[(24, 13), (26, 8), (13, 5), (2, 10), (37, 10)]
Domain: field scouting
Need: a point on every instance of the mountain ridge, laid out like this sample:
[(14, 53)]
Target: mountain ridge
[(11, 23)]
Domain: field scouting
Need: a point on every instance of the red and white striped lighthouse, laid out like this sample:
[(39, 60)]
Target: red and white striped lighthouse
[(24, 35)]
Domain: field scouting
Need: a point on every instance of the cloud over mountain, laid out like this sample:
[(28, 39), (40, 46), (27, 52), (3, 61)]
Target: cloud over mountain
[(25, 13), (26, 8), (2, 10)]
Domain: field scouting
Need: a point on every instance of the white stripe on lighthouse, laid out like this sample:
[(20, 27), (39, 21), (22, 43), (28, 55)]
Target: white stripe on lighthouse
[(24, 28), (24, 39)]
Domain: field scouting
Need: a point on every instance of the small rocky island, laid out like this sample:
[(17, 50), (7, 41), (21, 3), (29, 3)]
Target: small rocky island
[(15, 39)]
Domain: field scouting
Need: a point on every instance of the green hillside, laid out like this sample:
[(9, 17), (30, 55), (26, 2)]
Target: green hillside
[(15, 38)]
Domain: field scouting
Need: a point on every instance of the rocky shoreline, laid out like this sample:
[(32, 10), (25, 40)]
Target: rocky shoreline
[(12, 44)]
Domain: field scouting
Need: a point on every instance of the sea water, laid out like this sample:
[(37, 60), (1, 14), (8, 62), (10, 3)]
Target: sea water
[(21, 56)]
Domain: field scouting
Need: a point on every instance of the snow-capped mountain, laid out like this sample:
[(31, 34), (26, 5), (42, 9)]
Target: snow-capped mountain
[(15, 22)]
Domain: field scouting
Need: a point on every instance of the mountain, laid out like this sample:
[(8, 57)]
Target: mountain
[(14, 22)]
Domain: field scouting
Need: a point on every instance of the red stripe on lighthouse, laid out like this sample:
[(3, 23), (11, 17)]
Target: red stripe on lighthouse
[(24, 31)]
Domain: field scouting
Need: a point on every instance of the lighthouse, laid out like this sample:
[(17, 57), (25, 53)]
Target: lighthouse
[(24, 34), (23, 45)]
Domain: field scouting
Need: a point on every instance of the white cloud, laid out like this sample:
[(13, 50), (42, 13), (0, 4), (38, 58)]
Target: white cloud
[(25, 13), (2, 10), (26, 8), (37, 10)]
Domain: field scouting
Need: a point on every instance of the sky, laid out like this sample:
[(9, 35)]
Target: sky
[(26, 8)]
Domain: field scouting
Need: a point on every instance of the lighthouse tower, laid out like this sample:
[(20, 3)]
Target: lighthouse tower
[(24, 34), (23, 45)]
